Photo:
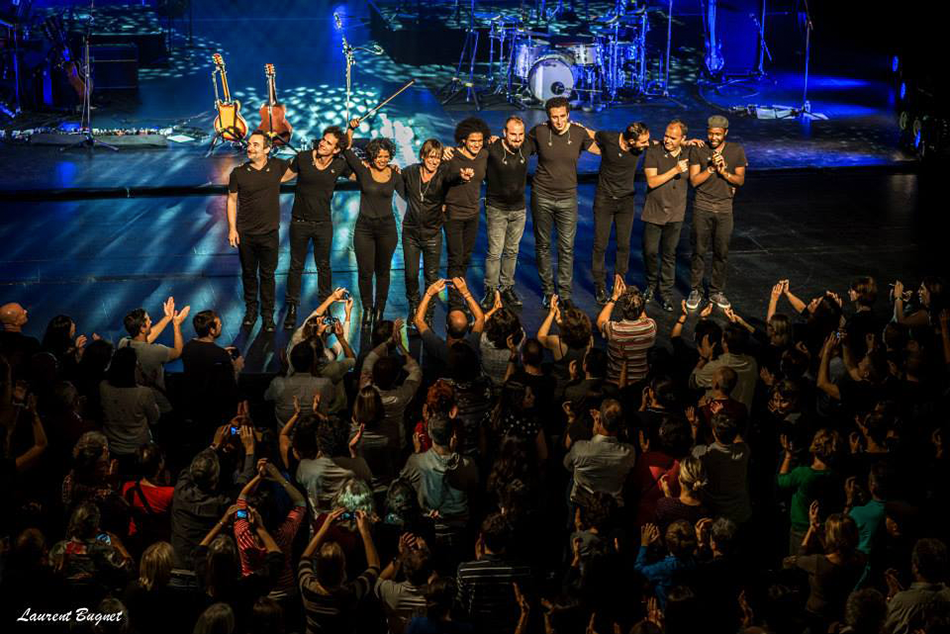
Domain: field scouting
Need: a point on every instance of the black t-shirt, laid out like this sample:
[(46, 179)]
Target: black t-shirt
[(666, 203), (618, 167), (424, 200), (715, 194), (556, 175), (258, 210), (315, 186), (376, 199), (18, 349), (462, 199), (507, 175)]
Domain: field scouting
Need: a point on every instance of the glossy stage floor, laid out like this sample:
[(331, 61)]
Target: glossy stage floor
[(93, 234)]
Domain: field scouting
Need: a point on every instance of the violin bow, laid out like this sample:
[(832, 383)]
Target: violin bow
[(373, 110)]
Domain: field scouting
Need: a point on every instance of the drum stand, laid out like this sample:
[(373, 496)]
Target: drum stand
[(456, 86)]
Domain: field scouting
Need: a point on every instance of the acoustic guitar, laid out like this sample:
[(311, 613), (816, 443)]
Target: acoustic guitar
[(62, 56), (273, 114), (229, 124)]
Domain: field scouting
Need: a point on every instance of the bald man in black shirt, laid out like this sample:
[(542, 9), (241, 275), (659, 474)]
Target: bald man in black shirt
[(253, 223)]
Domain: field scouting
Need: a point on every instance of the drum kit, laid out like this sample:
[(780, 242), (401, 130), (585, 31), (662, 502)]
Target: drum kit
[(597, 68)]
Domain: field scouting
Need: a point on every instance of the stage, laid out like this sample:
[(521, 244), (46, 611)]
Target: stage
[(95, 233)]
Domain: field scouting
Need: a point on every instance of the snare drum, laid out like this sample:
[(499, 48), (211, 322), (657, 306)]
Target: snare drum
[(585, 54), (525, 57), (552, 75)]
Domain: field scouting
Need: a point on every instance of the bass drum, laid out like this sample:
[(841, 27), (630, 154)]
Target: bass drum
[(525, 56), (551, 76)]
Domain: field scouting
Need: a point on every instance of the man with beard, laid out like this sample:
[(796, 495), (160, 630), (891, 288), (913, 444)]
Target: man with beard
[(613, 201), (665, 167), (715, 171), (462, 200), (559, 143), (316, 171), (253, 222), (424, 187), (505, 210)]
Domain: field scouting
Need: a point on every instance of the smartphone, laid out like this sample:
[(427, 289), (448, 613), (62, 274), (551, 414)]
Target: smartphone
[(104, 538), (330, 320), (349, 515), (235, 431), (346, 295), (241, 514)]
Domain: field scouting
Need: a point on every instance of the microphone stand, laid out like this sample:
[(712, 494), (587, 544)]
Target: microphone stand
[(351, 59), (805, 110), (89, 139)]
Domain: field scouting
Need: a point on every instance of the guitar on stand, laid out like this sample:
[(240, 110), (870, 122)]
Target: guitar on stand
[(229, 125), (273, 114)]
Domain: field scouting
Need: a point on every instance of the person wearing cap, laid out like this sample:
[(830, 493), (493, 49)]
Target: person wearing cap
[(715, 171)]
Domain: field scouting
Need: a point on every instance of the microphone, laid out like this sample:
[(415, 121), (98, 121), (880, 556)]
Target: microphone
[(336, 18)]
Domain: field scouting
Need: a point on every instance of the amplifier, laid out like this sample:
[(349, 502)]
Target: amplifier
[(114, 66)]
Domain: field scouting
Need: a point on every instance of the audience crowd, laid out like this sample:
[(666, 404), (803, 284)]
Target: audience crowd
[(783, 475)]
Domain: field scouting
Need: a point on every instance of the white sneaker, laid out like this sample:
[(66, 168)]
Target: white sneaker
[(720, 300), (694, 300)]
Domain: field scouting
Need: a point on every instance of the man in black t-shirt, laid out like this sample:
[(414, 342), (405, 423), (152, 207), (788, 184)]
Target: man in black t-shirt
[(559, 143), (16, 347), (665, 167), (253, 222), (210, 373), (613, 202), (507, 176), (715, 171), (317, 171)]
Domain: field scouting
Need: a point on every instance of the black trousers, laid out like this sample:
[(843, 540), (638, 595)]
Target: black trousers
[(655, 238), (374, 240), (608, 211), (302, 232), (430, 248), (460, 238), (710, 229), (258, 253)]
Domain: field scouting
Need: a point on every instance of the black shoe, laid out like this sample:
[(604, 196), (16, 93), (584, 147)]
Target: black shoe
[(666, 304), (290, 321), (600, 294), (488, 301), (250, 318), (367, 321), (546, 302), (269, 325), (411, 319), (378, 314), (648, 296), (509, 297)]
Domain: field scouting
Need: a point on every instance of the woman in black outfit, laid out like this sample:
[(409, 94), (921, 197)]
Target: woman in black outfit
[(374, 237)]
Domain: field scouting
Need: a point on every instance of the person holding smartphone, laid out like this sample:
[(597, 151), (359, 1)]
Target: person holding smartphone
[(210, 372)]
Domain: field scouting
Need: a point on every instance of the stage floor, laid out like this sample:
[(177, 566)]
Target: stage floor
[(69, 246)]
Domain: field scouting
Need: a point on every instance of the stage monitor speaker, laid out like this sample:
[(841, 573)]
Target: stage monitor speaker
[(114, 67)]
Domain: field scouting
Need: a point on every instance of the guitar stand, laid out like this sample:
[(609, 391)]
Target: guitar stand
[(219, 136)]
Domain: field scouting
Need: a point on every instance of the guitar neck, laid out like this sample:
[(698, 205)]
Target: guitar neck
[(271, 91), (224, 85)]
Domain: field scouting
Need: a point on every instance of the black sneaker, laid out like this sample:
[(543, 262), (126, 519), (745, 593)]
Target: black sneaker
[(720, 300), (509, 297), (250, 318), (600, 294), (269, 325), (666, 304), (648, 296), (546, 302), (488, 301), (290, 321)]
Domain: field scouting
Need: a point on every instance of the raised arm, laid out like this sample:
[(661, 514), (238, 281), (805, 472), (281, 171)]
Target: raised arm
[(363, 525), (824, 379), (551, 342), (797, 304), (419, 319), (322, 533), (608, 309), (472, 303)]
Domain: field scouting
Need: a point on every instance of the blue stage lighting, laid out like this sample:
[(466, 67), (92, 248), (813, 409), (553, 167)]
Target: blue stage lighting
[(917, 138), (903, 90), (895, 64)]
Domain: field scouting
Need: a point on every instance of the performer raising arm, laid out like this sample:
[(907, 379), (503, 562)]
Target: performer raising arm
[(374, 236)]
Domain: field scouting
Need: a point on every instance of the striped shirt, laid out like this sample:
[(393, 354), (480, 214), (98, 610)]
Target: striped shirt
[(486, 595), (253, 554), (337, 612), (402, 601), (628, 342)]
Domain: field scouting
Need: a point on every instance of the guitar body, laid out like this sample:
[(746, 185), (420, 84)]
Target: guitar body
[(229, 123), (275, 125)]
